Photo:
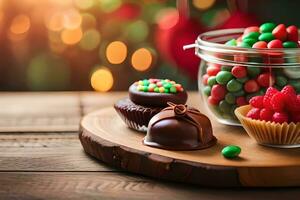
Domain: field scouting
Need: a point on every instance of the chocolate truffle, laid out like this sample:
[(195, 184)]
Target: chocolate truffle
[(147, 98), (179, 127)]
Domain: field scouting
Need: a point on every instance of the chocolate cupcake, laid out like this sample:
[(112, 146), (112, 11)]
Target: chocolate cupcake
[(146, 99), (179, 127)]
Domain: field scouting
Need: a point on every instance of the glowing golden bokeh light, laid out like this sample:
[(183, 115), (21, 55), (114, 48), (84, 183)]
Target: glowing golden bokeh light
[(203, 4), (20, 24), (116, 52), (102, 80), (55, 22), (141, 59), (84, 4), (72, 19), (71, 36)]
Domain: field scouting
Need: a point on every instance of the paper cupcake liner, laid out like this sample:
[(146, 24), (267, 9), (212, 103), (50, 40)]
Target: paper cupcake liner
[(269, 133)]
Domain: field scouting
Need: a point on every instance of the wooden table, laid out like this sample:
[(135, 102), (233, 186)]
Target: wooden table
[(41, 156)]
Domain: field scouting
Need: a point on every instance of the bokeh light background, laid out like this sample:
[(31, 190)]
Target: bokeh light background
[(101, 45)]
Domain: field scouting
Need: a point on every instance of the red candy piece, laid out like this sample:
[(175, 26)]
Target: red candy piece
[(280, 117), (257, 102), (218, 92), (278, 102), (241, 101), (213, 70), (239, 71), (254, 113), (204, 79), (251, 29), (268, 96), (279, 32), (239, 39), (275, 44), (251, 86), (260, 45), (266, 114), (266, 79), (212, 101), (291, 99), (292, 33)]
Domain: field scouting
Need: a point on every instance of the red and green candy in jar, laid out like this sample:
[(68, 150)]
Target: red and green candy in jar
[(228, 87)]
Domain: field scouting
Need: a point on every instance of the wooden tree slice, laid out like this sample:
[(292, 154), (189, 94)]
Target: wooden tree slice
[(104, 136)]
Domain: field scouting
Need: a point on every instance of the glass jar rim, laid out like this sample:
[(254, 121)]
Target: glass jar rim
[(207, 43)]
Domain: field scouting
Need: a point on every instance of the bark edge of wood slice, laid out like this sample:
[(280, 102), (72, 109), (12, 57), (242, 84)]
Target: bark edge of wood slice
[(105, 137)]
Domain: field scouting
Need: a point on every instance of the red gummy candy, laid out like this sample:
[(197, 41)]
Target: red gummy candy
[(213, 70), (254, 113), (266, 79), (260, 45), (257, 102), (275, 44), (213, 101), (239, 71), (292, 33), (251, 86), (266, 114), (241, 101), (251, 29), (278, 102), (280, 117), (218, 92), (268, 96), (279, 32)]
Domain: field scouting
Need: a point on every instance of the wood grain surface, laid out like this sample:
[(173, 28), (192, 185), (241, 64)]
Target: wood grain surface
[(51, 164)]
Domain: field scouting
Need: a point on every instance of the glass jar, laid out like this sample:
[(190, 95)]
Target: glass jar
[(229, 76)]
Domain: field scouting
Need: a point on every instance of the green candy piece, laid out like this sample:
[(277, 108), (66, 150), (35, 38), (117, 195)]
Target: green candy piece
[(250, 41), (242, 80), (281, 81), (234, 86), (231, 43), (167, 85), (253, 71), (156, 89), (296, 84), (230, 98), (239, 93), (231, 151), (146, 82), (140, 88), (223, 77), (267, 27), (211, 81), (233, 107), (166, 90), (226, 68), (174, 90), (225, 107), (290, 44), (145, 89), (267, 37), (206, 90), (244, 45), (251, 35)]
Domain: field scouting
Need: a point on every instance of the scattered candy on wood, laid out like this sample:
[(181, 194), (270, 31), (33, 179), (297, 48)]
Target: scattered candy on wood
[(231, 151)]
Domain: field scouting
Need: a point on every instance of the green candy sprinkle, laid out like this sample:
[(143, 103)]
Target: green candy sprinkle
[(140, 88), (239, 93), (225, 107), (223, 77), (211, 81), (167, 85), (173, 89), (250, 41), (145, 89), (231, 43), (230, 98), (281, 81), (242, 80), (267, 27), (231, 151), (234, 86), (253, 71), (226, 68), (156, 89), (251, 35), (146, 82), (267, 37), (290, 44), (244, 45), (206, 90)]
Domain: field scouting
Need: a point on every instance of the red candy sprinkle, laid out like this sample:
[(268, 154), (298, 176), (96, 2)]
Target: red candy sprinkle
[(280, 117), (254, 113), (239, 71), (204, 79), (260, 45), (212, 101), (241, 101), (218, 92), (251, 86), (251, 29), (279, 32), (266, 79), (275, 44), (213, 70), (266, 114), (257, 102), (292, 33)]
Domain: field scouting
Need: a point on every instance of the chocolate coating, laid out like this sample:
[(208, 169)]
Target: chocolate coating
[(178, 127), (155, 99)]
